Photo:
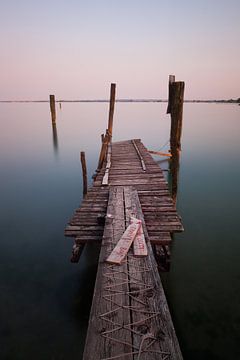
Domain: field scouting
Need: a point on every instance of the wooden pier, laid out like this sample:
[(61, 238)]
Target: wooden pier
[(129, 317), (129, 201), (131, 165)]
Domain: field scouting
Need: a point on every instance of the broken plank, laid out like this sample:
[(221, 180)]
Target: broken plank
[(120, 251)]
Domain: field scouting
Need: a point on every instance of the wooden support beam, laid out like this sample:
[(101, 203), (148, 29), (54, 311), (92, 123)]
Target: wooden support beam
[(52, 107), (76, 252), (84, 172), (159, 153), (111, 108)]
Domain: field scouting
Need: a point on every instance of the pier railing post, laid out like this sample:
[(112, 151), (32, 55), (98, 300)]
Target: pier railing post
[(84, 173), (111, 109), (52, 107)]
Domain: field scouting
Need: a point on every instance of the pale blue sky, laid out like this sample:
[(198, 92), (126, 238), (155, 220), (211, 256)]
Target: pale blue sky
[(76, 48)]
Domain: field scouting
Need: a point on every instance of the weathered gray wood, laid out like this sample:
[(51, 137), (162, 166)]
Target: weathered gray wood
[(140, 156), (108, 166), (158, 207), (152, 328), (106, 336)]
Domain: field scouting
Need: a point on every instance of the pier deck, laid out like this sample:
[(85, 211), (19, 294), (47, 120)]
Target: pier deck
[(129, 317), (130, 165)]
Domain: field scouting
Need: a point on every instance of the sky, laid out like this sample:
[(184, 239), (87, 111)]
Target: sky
[(75, 49)]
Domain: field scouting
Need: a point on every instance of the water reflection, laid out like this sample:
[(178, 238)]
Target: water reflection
[(55, 137)]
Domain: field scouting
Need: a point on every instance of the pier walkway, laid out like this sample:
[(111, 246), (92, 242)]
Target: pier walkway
[(129, 318), (131, 165)]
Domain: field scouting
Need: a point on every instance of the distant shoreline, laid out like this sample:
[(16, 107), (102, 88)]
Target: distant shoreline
[(231, 101)]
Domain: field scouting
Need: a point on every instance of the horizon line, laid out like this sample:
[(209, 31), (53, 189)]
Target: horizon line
[(117, 100)]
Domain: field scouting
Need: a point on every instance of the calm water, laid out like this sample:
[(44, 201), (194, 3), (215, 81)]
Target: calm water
[(44, 299)]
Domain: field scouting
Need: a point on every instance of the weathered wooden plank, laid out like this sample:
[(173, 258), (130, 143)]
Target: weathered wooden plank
[(152, 328), (121, 249), (107, 337), (139, 243)]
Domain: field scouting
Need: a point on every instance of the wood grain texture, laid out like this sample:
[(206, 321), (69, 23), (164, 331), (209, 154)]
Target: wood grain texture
[(129, 318), (122, 167)]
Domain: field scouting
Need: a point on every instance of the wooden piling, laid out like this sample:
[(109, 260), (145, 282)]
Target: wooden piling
[(52, 107), (111, 108), (171, 80), (174, 167), (177, 97), (105, 142), (84, 172)]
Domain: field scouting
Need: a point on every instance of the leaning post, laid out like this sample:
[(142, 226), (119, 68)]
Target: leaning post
[(53, 107), (111, 109)]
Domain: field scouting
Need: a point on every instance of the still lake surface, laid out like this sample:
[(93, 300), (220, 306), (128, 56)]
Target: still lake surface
[(44, 299)]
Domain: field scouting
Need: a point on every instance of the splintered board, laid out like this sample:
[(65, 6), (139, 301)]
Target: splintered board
[(121, 249), (139, 243)]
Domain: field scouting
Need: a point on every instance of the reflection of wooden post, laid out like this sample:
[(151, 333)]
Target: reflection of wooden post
[(55, 136), (176, 114), (52, 107), (111, 108), (84, 172), (171, 80)]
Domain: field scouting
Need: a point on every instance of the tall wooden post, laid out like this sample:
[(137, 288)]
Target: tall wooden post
[(84, 172), (177, 90), (53, 107), (171, 80), (111, 109), (175, 108)]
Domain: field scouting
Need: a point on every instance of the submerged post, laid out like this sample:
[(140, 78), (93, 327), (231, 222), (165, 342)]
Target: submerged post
[(176, 108), (84, 173), (111, 108), (53, 107)]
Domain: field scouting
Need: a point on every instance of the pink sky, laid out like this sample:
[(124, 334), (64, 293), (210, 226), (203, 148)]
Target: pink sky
[(75, 49)]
